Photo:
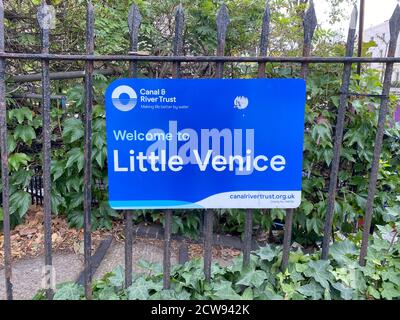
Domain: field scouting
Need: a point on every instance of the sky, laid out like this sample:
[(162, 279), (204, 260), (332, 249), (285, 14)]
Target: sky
[(376, 12)]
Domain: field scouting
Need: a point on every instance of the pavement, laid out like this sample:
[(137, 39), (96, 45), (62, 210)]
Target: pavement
[(27, 272)]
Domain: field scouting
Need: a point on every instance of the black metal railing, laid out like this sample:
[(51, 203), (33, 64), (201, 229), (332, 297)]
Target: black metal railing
[(134, 58)]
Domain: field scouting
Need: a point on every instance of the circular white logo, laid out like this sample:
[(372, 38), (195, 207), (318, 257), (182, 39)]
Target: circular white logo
[(241, 102), (124, 98)]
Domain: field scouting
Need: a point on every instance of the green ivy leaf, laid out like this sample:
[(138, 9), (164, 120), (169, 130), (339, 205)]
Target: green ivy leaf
[(57, 200), (73, 130), (100, 155), (340, 250), (69, 291), (270, 294), (25, 133), (223, 291), (267, 253), (57, 169), (312, 290), (252, 278), (247, 294), (117, 277), (21, 178), (11, 143), (75, 156), (391, 275), (18, 159), (319, 271), (74, 183), (20, 114), (19, 203), (390, 291), (345, 292), (139, 290), (76, 200), (108, 293)]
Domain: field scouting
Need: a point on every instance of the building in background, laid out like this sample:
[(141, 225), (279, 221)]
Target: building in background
[(380, 34)]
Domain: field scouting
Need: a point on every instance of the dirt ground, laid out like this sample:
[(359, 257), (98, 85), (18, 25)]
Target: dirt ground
[(28, 245), (27, 272)]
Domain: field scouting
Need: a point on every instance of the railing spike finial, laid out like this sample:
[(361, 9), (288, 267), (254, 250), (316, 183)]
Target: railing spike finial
[(222, 22), (339, 130), (179, 25), (310, 23), (179, 8), (353, 20), (134, 19), (264, 38), (45, 16), (179, 13), (394, 23), (89, 7), (265, 29), (178, 39)]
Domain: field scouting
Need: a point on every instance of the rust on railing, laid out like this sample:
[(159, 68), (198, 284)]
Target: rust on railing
[(4, 165), (134, 20), (394, 24), (343, 101), (87, 178), (44, 23), (309, 24)]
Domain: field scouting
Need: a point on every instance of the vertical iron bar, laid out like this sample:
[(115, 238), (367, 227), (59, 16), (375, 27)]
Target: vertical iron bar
[(248, 229), (44, 20), (287, 238), (208, 242), (4, 165), (87, 189), (248, 232), (134, 20), (333, 179), (128, 247), (360, 34), (309, 23), (177, 50), (222, 25), (178, 40), (394, 24), (167, 250)]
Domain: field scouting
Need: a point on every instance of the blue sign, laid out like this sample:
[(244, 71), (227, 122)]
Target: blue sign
[(205, 143)]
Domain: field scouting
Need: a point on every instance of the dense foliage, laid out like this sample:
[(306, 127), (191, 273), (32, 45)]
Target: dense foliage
[(156, 36), (307, 277)]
